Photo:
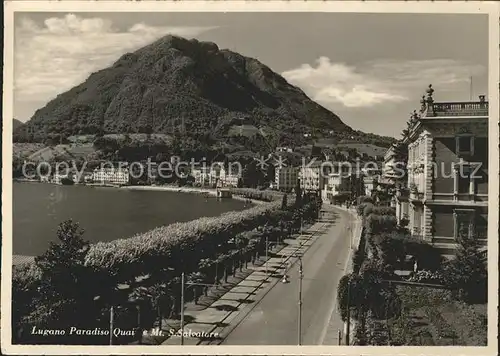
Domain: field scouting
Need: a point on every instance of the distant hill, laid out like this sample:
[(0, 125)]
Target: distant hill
[(16, 124), (24, 150), (174, 81), (191, 88)]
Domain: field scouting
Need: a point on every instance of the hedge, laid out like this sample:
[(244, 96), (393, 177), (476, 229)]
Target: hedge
[(263, 195), (165, 245)]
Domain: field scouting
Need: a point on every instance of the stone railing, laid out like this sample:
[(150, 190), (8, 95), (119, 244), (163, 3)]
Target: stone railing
[(481, 233), (457, 109)]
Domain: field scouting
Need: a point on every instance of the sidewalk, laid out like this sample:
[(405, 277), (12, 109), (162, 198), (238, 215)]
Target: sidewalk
[(331, 336), (210, 325)]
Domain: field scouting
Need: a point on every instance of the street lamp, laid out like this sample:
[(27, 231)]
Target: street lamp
[(111, 324), (182, 308), (267, 250)]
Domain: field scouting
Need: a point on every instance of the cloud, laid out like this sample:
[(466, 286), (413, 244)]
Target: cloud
[(378, 82), (62, 53)]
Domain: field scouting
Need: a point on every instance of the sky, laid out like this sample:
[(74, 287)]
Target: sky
[(369, 69)]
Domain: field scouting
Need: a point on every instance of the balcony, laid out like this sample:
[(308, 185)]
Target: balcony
[(457, 109), (417, 233)]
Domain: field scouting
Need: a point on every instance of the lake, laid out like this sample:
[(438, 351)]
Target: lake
[(105, 214)]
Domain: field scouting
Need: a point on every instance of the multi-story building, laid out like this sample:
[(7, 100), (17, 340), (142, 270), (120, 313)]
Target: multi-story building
[(448, 171), (312, 176), (229, 180), (215, 175), (201, 175), (370, 184), (224, 177), (338, 182), (389, 170), (285, 178), (111, 175)]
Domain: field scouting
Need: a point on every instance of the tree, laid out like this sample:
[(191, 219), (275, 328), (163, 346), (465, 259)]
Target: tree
[(284, 202), (367, 292), (67, 280), (298, 193), (316, 152), (468, 271), (252, 176), (270, 173)]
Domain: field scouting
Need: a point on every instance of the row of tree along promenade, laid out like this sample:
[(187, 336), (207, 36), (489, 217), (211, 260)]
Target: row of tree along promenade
[(134, 283)]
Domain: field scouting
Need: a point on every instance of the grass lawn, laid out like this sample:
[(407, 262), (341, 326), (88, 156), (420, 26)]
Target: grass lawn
[(431, 317)]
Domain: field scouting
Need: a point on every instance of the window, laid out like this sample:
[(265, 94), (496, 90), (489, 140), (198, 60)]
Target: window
[(464, 144), (466, 178), (481, 227), (464, 222), (463, 180)]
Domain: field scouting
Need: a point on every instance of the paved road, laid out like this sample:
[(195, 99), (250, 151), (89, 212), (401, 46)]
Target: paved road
[(274, 321)]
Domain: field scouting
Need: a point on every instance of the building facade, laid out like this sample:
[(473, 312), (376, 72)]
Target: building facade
[(312, 177), (370, 184), (215, 175), (337, 183), (389, 170), (108, 175), (448, 171), (285, 178), (201, 176)]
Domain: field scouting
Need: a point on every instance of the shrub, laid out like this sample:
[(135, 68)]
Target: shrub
[(257, 194), (468, 272), (377, 223), (357, 259)]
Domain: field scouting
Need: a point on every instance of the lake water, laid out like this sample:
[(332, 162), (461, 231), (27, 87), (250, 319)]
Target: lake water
[(105, 214)]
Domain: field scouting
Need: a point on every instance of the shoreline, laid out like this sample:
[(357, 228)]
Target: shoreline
[(191, 190), (20, 259), (210, 191)]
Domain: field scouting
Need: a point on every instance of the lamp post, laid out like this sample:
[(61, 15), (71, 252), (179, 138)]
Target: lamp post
[(267, 250), (182, 308), (299, 329), (183, 287), (111, 324)]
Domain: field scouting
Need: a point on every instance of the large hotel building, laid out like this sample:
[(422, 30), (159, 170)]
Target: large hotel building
[(448, 171)]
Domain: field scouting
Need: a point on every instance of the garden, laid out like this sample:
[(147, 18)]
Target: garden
[(440, 302)]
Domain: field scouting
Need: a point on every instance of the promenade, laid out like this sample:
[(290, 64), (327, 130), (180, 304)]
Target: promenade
[(262, 310)]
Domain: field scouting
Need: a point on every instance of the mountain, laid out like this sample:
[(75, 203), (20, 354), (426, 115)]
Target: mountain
[(192, 88), (16, 124)]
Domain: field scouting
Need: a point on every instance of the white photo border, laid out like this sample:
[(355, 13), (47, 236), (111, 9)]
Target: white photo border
[(490, 8)]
